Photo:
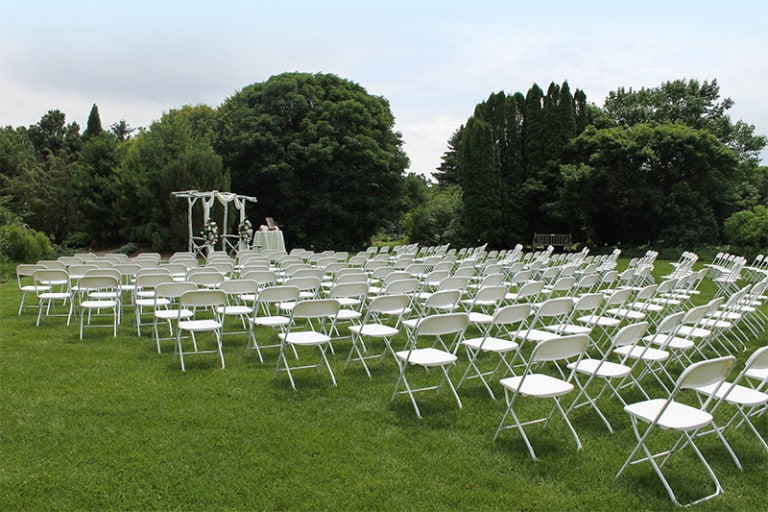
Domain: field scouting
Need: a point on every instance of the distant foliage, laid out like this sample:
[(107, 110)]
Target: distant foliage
[(24, 245), (748, 228)]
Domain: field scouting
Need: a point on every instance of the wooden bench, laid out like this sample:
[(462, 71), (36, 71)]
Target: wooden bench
[(553, 239)]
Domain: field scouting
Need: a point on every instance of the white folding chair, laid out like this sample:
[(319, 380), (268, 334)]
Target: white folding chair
[(95, 294), (536, 384), (267, 313), (25, 279), (374, 326), (608, 371), (746, 400), (203, 304), (241, 298), (308, 327), (494, 340), (144, 295), (53, 288), (352, 299), (437, 327), (167, 309), (671, 414)]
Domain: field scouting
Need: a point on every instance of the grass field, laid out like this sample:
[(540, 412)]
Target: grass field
[(108, 424)]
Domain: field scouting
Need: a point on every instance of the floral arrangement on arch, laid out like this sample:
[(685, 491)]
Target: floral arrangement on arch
[(210, 233), (245, 230)]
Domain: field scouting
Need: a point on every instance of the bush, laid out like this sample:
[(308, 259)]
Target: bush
[(77, 240), (128, 248), (24, 245), (748, 227)]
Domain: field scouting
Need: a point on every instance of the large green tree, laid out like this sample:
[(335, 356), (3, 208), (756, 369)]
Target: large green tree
[(653, 183), (320, 155), (482, 194), (174, 154)]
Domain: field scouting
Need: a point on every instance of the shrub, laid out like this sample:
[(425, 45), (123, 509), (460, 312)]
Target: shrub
[(748, 227), (25, 245), (128, 248), (77, 240)]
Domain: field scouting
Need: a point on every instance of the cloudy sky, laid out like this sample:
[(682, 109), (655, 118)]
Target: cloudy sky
[(433, 60)]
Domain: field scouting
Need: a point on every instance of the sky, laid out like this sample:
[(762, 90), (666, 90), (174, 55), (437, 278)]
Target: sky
[(432, 60)]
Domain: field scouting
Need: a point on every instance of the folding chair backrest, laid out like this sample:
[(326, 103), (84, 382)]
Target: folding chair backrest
[(695, 314), (401, 286), (203, 298), (491, 293), (90, 283), (629, 334), (556, 349), (530, 289), (670, 323), (440, 324), (704, 373), (646, 292), (618, 297), (316, 308), (588, 302), (453, 283), (354, 289), (262, 276), (512, 314), (239, 286), (304, 283), (758, 360), (443, 298), (555, 307), (280, 293), (51, 276), (389, 303), (173, 290)]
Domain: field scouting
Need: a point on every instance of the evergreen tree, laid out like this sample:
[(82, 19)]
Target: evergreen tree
[(481, 185), (93, 128), (450, 168)]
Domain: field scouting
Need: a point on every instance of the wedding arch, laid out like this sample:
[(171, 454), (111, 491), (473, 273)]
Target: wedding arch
[(208, 200)]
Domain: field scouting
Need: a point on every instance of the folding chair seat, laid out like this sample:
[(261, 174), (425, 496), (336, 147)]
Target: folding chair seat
[(96, 293), (25, 279), (144, 296), (608, 371), (445, 329), (167, 309), (537, 384), (204, 304), (746, 400), (375, 326), (241, 298), (52, 287), (671, 414), (494, 339), (309, 326), (267, 313)]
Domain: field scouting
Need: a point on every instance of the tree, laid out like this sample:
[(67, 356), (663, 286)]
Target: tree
[(661, 184), (93, 127), (748, 228), (481, 185), (94, 182), (437, 221), (175, 153), (319, 153), (450, 166)]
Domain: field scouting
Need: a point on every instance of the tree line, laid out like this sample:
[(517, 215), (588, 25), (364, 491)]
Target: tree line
[(662, 166)]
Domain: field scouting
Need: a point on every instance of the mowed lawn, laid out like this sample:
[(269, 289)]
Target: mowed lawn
[(109, 424)]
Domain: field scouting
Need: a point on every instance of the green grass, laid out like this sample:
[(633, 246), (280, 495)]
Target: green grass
[(107, 423)]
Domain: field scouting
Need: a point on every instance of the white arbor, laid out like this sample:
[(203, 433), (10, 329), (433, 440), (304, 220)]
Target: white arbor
[(229, 242)]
